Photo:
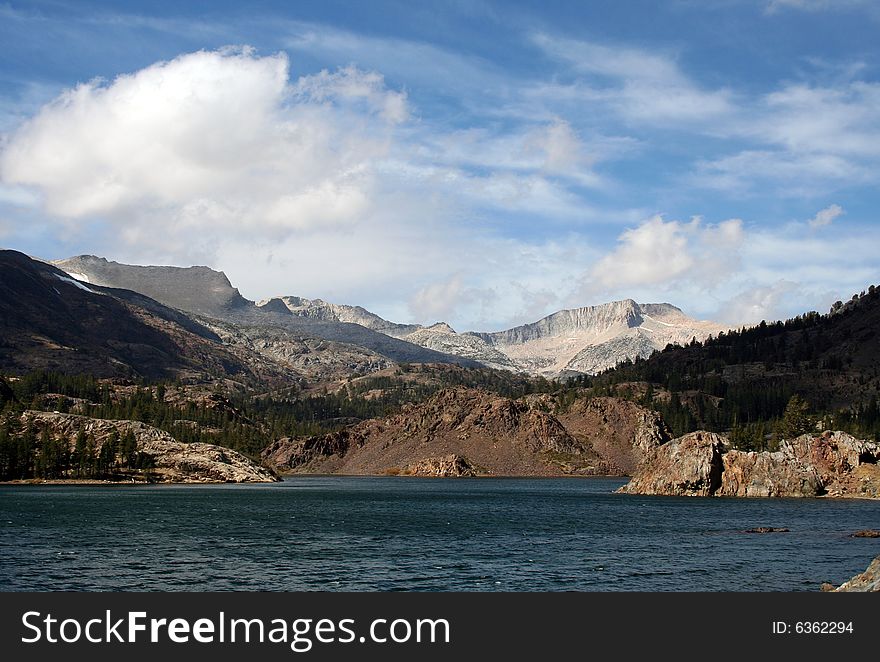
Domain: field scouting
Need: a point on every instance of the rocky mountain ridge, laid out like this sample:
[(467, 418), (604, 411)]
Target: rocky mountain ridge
[(577, 341), (53, 322), (204, 292)]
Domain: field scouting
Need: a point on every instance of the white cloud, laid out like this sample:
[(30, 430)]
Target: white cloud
[(643, 86), (791, 175), (437, 301), (558, 145), (758, 303), (553, 152), (350, 83), (825, 216), (809, 140), (659, 251), (215, 140), (802, 137), (840, 120), (785, 271)]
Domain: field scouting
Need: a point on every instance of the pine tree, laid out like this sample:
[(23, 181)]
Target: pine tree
[(797, 419)]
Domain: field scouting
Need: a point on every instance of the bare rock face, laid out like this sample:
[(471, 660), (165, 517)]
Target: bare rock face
[(503, 437), (621, 432), (688, 466), (767, 475), (174, 461), (866, 582), (442, 338), (312, 358), (290, 453), (593, 338), (448, 466), (847, 466), (834, 464)]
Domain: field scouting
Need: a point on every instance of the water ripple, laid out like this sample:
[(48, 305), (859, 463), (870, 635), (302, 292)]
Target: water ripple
[(354, 534)]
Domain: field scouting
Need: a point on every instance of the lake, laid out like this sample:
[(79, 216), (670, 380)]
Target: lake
[(390, 534)]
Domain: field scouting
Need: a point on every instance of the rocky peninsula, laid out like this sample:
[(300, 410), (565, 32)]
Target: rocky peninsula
[(166, 459)]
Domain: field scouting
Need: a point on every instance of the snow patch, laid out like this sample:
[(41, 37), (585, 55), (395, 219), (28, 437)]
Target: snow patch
[(656, 321), (76, 283), (79, 276)]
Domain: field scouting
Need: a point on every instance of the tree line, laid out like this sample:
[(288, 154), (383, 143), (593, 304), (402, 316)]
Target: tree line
[(26, 454)]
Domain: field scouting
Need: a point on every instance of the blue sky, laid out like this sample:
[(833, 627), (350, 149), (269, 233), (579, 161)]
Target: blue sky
[(479, 162)]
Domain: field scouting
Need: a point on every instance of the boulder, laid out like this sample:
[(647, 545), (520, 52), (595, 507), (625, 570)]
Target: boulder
[(866, 533), (834, 464), (846, 466), (767, 529)]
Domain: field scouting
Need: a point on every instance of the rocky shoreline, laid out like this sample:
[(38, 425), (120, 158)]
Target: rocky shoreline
[(865, 582), (832, 464)]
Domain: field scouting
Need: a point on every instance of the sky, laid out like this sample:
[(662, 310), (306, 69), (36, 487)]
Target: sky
[(482, 163)]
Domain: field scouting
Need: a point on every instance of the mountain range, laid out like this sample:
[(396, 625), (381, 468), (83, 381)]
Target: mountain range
[(312, 386), (579, 341)]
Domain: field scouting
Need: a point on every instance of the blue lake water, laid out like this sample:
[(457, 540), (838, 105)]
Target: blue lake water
[(354, 534)]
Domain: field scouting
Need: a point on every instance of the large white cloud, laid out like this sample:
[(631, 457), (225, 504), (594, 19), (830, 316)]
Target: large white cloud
[(218, 140)]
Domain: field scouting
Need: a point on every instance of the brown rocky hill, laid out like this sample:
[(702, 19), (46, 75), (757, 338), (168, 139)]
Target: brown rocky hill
[(701, 464), (172, 461), (619, 431), (462, 431)]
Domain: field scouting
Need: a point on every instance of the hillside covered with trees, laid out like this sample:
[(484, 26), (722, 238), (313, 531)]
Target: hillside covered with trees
[(742, 381)]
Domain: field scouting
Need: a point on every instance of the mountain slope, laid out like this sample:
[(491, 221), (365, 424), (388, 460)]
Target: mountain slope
[(469, 431), (51, 321), (747, 377), (198, 290), (499, 436), (594, 338), (203, 291)]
